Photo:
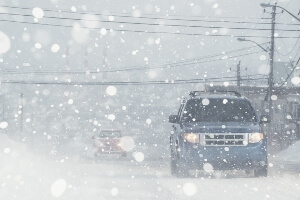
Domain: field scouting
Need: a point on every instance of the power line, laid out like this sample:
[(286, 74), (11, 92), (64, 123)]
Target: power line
[(247, 65), (292, 67), (129, 15), (152, 24), (181, 61), (289, 75), (187, 60), (288, 67), (149, 32), (168, 82), (138, 68), (285, 47), (195, 60)]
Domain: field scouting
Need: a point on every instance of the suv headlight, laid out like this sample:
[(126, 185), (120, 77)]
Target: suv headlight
[(255, 137), (191, 137)]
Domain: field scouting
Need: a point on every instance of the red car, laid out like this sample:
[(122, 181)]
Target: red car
[(108, 142)]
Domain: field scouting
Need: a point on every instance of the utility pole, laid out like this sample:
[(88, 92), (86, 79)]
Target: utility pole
[(270, 89), (271, 53), (238, 74), (272, 62)]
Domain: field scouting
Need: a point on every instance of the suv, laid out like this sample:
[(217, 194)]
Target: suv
[(217, 130)]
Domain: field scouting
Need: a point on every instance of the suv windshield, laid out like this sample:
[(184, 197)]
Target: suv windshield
[(110, 134), (218, 110)]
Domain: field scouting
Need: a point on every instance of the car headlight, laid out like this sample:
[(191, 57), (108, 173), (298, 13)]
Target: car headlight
[(191, 137), (255, 137)]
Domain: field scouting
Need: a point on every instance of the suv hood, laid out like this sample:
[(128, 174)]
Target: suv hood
[(221, 127)]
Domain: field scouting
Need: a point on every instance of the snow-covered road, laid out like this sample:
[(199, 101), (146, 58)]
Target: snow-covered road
[(153, 181), (123, 179), (29, 176)]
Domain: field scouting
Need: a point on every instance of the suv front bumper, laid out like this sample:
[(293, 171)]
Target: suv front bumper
[(252, 156)]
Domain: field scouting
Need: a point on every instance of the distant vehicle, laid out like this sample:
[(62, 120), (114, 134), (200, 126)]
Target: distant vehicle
[(217, 131), (108, 142)]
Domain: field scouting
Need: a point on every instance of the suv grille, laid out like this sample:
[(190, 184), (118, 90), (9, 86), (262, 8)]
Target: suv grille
[(224, 139)]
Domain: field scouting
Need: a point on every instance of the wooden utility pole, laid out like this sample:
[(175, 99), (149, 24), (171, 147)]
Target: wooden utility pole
[(272, 60)]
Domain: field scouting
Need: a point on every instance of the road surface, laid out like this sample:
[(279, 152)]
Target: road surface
[(34, 177)]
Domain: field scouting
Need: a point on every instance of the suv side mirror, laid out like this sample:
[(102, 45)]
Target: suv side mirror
[(264, 119), (173, 119)]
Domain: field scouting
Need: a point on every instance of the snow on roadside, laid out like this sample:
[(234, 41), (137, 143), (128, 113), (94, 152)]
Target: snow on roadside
[(12, 152), (24, 175), (291, 154)]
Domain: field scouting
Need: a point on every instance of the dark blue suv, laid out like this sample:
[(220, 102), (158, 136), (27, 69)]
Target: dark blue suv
[(217, 131)]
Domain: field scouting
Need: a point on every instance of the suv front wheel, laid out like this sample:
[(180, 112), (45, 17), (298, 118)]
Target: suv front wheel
[(177, 166), (263, 172), (173, 164), (180, 170)]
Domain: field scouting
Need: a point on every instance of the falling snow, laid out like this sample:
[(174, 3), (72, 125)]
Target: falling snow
[(37, 13), (5, 43), (72, 70)]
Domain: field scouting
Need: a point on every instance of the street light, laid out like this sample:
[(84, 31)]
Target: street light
[(243, 39), (265, 5), (271, 69)]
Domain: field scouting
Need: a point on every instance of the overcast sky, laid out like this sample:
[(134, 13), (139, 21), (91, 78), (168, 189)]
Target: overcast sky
[(52, 47)]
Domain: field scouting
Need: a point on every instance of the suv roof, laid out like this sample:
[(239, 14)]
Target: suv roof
[(214, 93)]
